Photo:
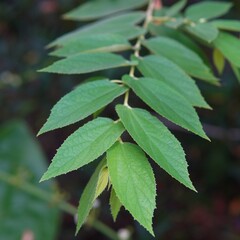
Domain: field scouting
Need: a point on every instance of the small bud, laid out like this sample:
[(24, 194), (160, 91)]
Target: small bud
[(96, 203), (124, 234)]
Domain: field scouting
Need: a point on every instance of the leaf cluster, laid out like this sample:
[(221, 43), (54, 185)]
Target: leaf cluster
[(164, 79)]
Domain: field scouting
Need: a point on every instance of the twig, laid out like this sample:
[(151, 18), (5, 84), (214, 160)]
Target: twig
[(54, 200), (137, 46)]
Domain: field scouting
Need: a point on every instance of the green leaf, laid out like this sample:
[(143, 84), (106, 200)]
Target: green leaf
[(160, 12), (91, 44), (229, 46), (157, 141), (99, 8), (203, 31), (176, 8), (167, 102), (185, 58), (102, 182), (180, 37), (122, 24), (207, 10), (162, 69), (86, 63), (133, 181), (82, 102), (20, 169), (89, 195), (115, 204), (230, 25), (218, 60), (84, 145)]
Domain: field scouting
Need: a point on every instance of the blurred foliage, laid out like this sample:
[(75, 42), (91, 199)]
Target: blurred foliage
[(26, 27), (22, 214)]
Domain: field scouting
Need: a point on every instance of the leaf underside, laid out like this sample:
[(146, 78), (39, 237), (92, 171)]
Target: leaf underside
[(88, 196), (115, 204)]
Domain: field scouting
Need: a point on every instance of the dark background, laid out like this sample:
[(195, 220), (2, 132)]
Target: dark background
[(26, 27)]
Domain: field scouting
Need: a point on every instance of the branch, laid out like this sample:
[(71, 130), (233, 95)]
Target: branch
[(55, 200)]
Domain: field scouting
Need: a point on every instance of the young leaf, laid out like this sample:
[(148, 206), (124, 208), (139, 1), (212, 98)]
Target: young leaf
[(86, 63), (229, 46), (185, 58), (167, 102), (207, 10), (122, 24), (99, 8), (102, 182), (157, 141), (89, 195), (175, 8), (218, 60), (115, 204), (84, 145), (82, 102), (133, 181), (162, 69), (203, 31), (91, 44), (230, 25)]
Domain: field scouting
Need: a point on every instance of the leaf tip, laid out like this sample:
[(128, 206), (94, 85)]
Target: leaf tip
[(65, 17), (45, 177), (46, 128), (42, 179), (42, 70), (208, 107), (217, 83), (150, 230), (77, 230), (191, 187), (207, 138), (204, 136), (41, 131), (205, 106)]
